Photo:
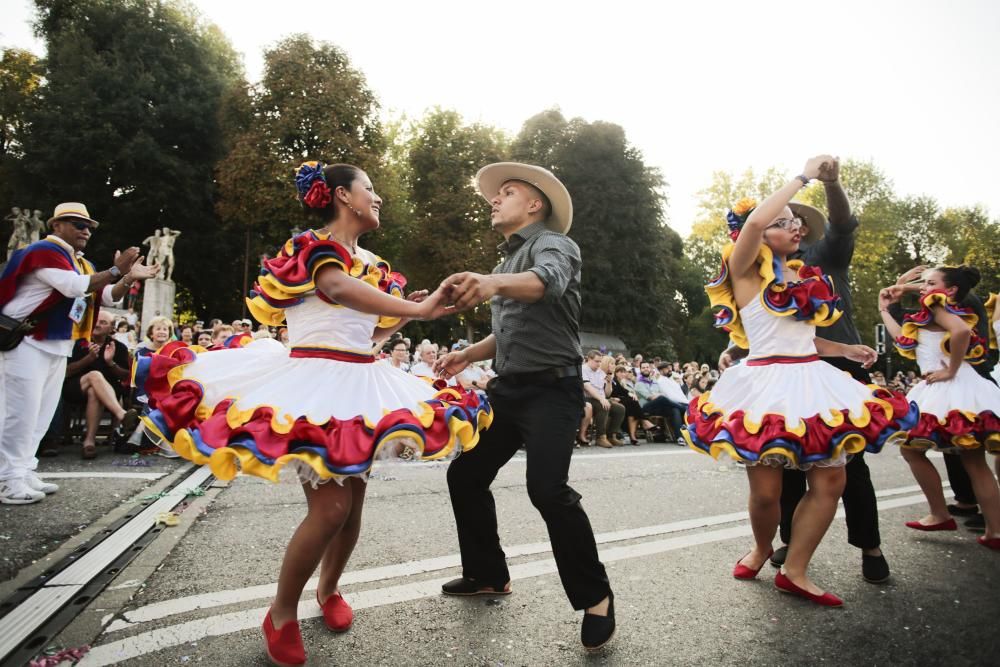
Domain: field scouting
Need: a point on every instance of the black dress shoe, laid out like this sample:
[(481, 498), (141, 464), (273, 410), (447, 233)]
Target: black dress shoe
[(976, 524), (958, 510), (598, 630), (874, 569), (779, 555), (464, 586)]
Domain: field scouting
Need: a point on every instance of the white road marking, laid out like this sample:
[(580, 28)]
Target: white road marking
[(152, 641), (158, 610), (106, 475)]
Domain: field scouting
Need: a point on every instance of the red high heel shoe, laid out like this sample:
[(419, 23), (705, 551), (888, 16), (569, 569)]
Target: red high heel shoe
[(944, 525), (989, 542), (337, 614), (284, 646), (785, 585), (741, 571)]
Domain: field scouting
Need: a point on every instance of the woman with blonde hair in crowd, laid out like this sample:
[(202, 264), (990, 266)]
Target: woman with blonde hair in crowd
[(783, 406)]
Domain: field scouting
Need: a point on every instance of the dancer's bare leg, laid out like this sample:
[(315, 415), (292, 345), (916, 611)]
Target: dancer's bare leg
[(339, 550), (929, 480), (811, 520), (329, 509), (765, 511), (984, 485)]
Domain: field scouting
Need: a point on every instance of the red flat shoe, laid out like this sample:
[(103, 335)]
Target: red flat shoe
[(944, 525), (284, 647), (741, 571), (785, 585), (989, 542), (337, 614)]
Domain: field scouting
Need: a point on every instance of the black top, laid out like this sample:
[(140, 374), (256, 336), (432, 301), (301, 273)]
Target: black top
[(532, 337), (121, 359), (833, 254)]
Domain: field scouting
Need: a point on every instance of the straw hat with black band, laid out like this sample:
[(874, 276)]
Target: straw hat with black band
[(74, 210), (813, 219), (491, 178)]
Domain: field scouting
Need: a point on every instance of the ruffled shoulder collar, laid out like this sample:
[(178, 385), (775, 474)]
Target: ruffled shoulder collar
[(287, 279), (906, 342), (810, 299)]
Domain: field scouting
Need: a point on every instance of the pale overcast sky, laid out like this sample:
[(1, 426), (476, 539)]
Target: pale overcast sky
[(698, 86)]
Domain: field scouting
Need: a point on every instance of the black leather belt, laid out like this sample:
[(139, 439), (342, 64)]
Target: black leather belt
[(548, 376)]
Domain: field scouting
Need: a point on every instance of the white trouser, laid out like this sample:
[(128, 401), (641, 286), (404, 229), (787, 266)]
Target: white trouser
[(30, 385)]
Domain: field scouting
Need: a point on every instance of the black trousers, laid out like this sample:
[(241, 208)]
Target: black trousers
[(543, 418), (860, 505), (958, 477)]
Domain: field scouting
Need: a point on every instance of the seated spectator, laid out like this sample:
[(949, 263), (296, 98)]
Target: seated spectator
[(282, 336), (125, 335), (623, 390), (399, 354), (670, 387), (205, 339), (246, 326), (653, 402), (262, 332), (219, 335), (95, 376), (608, 415), (159, 332), (185, 334), (426, 355)]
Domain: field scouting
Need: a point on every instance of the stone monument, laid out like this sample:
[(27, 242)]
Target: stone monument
[(158, 293), (20, 235)]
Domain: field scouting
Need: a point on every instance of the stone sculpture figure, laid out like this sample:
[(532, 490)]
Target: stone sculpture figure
[(20, 236), (167, 252)]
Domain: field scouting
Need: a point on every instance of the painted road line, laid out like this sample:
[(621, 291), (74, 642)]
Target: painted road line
[(159, 610), (152, 641), (102, 475)]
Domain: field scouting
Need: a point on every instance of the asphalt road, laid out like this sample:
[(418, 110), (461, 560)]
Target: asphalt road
[(670, 525)]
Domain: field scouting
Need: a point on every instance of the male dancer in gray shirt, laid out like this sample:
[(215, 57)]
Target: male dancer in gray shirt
[(537, 396)]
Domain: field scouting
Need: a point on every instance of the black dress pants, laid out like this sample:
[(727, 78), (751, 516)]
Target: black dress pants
[(542, 417), (860, 508)]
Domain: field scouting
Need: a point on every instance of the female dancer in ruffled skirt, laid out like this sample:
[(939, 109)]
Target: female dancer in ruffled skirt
[(319, 406), (958, 407), (784, 406)]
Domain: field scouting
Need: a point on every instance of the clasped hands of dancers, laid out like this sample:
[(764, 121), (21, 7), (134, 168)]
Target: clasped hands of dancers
[(262, 407)]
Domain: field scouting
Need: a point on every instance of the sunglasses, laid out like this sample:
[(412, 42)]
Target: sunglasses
[(79, 224), (788, 224)]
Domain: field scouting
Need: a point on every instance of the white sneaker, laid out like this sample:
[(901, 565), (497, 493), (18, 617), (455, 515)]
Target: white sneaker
[(17, 492), (34, 482)]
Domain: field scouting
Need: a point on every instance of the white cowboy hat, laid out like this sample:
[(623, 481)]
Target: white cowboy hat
[(814, 219), (492, 176), (73, 209)]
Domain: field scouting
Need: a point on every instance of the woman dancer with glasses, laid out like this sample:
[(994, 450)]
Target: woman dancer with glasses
[(319, 406), (784, 407)]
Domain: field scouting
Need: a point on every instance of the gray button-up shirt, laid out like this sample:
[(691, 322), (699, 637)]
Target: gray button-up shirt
[(546, 334)]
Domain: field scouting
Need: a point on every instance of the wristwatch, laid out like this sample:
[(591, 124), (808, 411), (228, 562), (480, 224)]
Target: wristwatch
[(115, 272), (803, 178)]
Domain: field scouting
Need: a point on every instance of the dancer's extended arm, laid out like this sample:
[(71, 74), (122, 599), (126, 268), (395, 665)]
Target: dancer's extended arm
[(362, 297)]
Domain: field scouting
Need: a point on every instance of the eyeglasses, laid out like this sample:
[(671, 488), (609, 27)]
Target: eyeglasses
[(788, 224)]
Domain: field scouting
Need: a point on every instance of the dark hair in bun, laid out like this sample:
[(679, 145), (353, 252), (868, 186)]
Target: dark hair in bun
[(963, 277), (316, 183)]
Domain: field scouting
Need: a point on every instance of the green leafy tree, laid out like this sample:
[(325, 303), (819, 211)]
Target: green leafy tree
[(450, 231), (20, 76), (311, 104), (126, 121), (618, 222)]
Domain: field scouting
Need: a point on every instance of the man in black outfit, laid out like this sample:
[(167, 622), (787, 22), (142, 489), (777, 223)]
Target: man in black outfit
[(832, 253), (537, 396)]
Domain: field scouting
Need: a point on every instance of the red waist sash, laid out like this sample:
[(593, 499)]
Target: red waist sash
[(335, 355), (782, 359)]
